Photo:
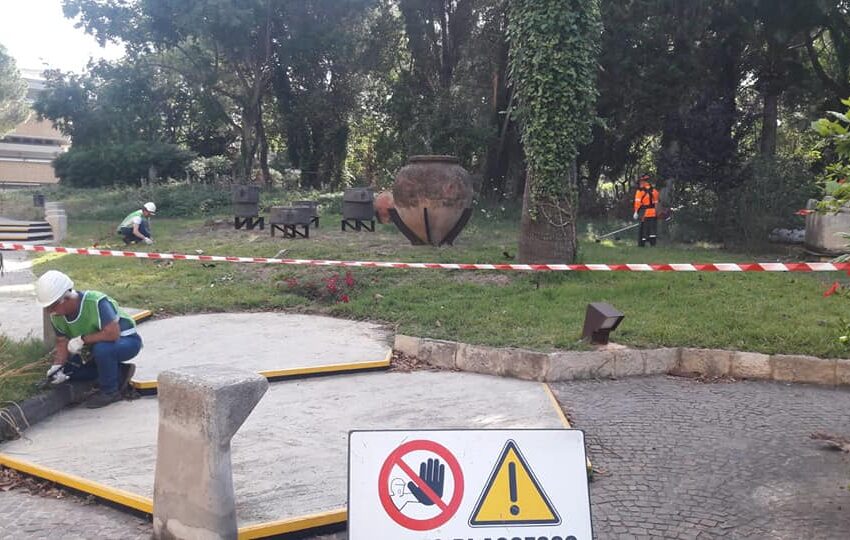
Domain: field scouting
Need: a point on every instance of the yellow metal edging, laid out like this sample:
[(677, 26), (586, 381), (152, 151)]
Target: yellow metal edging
[(118, 496), (564, 419), (296, 524), (142, 315), (300, 372)]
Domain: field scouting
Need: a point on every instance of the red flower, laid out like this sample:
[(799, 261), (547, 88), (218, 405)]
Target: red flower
[(804, 212), (344, 299), (349, 280), (832, 290)]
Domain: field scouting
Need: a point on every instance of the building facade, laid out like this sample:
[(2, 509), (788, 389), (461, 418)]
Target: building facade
[(27, 153)]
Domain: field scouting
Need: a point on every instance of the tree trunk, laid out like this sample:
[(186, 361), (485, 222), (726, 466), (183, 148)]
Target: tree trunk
[(264, 151), (770, 120), (550, 236)]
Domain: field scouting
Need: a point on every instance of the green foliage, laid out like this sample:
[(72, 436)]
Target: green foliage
[(13, 90), (835, 140), (109, 165), (553, 62), (768, 195), (22, 364)]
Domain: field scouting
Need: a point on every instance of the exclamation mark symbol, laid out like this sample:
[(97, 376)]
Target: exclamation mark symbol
[(512, 487)]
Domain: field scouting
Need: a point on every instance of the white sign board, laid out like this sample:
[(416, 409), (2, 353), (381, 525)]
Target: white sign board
[(468, 485)]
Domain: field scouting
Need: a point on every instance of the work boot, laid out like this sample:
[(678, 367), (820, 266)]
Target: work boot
[(126, 372), (102, 400)]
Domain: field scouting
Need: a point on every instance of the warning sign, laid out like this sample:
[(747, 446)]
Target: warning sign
[(425, 500), (513, 496), (470, 484)]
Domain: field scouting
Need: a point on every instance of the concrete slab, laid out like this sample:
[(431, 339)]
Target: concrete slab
[(259, 342), (289, 458)]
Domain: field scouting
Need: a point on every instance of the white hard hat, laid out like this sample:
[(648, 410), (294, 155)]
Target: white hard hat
[(150, 207), (51, 286)]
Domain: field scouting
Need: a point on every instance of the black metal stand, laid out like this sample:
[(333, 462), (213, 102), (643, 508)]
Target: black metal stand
[(250, 223), (358, 224), (291, 231), (315, 221)]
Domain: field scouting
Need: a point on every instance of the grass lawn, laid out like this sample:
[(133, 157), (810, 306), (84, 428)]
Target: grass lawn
[(22, 364), (763, 312)]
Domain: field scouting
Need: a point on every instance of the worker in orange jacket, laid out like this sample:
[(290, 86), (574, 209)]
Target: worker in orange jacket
[(646, 210)]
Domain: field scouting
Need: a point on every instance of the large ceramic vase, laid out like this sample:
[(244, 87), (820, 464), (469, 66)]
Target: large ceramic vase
[(433, 199)]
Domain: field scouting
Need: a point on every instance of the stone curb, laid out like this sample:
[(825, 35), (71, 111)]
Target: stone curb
[(39, 407), (616, 363)]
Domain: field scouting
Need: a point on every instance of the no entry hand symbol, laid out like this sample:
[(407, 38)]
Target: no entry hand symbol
[(428, 487)]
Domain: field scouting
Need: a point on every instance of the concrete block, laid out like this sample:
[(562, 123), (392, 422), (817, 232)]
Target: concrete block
[(407, 345), (660, 361), (747, 365), (708, 362), (440, 354), (522, 364), (478, 359), (200, 409), (842, 372), (575, 365), (803, 369), (628, 363)]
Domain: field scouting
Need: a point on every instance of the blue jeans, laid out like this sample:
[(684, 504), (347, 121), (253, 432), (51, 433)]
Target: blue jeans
[(107, 356), (129, 237)]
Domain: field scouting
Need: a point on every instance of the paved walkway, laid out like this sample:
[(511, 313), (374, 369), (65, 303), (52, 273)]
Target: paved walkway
[(683, 459), (679, 459)]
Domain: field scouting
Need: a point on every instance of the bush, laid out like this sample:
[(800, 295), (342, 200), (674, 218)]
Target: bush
[(120, 164), (770, 193)]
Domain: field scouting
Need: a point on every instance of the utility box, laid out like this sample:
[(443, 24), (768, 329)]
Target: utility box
[(290, 215), (246, 201), (357, 204)]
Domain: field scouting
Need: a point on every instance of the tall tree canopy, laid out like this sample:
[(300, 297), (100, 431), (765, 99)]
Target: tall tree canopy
[(13, 91)]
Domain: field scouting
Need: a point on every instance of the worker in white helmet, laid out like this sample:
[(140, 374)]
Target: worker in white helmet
[(88, 324), (136, 227)]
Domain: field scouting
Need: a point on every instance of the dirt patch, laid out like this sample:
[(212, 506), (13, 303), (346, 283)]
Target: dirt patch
[(483, 278), (405, 364), (11, 479)]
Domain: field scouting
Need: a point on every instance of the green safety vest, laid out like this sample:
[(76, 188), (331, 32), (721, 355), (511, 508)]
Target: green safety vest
[(128, 221), (88, 320)]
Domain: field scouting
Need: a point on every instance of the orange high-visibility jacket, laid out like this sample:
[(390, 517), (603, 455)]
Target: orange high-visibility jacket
[(646, 198)]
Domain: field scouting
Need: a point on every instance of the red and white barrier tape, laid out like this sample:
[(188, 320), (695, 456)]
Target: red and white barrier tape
[(709, 267)]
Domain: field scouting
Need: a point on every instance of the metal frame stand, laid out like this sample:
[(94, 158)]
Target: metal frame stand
[(291, 230), (358, 225), (250, 223)]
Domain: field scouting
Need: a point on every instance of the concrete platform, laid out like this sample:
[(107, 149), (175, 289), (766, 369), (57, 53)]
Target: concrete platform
[(289, 458), (274, 344)]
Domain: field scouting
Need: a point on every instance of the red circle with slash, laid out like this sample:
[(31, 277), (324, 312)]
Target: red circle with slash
[(448, 509)]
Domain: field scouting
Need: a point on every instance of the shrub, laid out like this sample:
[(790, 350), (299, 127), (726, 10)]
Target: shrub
[(120, 164)]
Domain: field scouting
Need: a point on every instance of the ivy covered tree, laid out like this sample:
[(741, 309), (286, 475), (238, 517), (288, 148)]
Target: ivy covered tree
[(553, 63)]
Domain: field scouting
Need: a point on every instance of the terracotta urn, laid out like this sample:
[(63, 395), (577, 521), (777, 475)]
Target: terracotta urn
[(433, 199), (383, 204)]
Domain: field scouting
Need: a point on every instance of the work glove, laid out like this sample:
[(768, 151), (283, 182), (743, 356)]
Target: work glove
[(75, 345), (635, 216), (56, 375), (148, 241)]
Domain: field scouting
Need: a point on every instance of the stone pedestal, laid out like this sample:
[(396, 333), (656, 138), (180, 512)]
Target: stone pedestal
[(824, 232), (200, 409)]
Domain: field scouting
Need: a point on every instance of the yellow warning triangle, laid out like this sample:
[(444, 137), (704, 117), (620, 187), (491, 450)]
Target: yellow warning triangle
[(513, 496)]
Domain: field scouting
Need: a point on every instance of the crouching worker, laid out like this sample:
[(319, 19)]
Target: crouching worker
[(94, 337), (136, 227)]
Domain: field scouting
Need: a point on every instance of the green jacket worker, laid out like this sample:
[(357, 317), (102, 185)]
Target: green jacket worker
[(136, 227), (88, 324)]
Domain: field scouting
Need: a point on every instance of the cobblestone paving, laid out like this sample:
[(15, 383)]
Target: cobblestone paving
[(684, 459), (71, 518), (678, 459)]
